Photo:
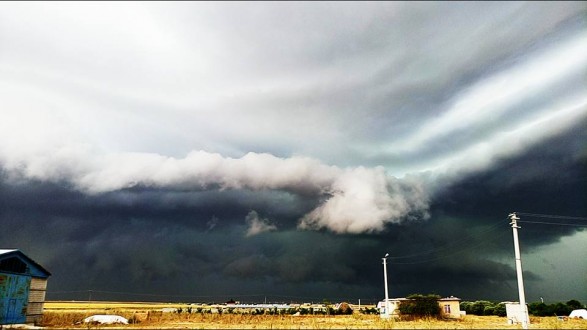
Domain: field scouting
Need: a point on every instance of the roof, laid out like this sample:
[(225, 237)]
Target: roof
[(33, 269), (451, 298)]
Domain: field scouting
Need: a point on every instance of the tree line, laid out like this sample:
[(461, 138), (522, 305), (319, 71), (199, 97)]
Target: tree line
[(485, 307), (427, 306)]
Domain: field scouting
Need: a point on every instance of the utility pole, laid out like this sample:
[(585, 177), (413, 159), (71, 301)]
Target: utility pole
[(386, 314), (523, 308)]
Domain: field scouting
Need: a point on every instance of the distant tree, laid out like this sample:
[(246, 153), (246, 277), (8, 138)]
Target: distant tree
[(483, 307), (500, 310), (369, 311), (420, 305), (478, 307), (574, 304), (489, 310), (542, 309), (539, 309), (561, 309), (466, 306)]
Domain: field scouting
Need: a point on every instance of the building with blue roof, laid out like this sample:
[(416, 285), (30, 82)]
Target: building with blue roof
[(23, 284)]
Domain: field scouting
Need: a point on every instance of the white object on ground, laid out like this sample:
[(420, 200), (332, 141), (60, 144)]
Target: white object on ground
[(106, 319), (580, 313)]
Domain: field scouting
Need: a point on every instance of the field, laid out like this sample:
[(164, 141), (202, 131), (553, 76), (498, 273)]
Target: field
[(150, 316)]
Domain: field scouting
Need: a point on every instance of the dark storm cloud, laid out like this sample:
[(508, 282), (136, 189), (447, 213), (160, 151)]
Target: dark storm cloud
[(550, 176), (151, 253)]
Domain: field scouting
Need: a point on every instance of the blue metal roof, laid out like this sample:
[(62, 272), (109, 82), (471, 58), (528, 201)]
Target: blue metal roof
[(33, 269)]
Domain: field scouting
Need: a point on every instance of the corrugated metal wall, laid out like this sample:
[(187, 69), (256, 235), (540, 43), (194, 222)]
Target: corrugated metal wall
[(14, 297), (23, 284), (37, 293)]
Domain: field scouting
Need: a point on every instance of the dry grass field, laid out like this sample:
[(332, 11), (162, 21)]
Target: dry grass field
[(149, 316)]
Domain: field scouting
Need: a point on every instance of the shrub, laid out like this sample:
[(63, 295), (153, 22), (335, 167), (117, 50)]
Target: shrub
[(345, 309), (499, 310), (420, 305), (489, 310), (369, 311), (574, 304)]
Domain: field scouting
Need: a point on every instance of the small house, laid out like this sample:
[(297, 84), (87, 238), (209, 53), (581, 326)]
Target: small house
[(449, 307), (23, 284)]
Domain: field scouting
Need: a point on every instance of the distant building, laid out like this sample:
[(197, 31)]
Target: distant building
[(449, 307), (23, 284), (393, 307)]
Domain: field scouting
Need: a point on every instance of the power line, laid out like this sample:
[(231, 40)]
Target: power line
[(449, 245), (216, 296), (467, 243), (555, 223), (551, 216), (155, 294), (459, 249)]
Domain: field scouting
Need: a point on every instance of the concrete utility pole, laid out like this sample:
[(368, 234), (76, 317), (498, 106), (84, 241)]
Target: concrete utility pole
[(386, 314), (523, 308)]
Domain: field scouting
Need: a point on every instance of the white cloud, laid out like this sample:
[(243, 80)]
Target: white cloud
[(257, 225), (365, 200), (358, 199), (106, 97)]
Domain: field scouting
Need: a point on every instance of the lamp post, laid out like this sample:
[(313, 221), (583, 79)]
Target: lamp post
[(386, 314)]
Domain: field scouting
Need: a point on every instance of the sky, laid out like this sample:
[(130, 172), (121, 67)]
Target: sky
[(196, 151)]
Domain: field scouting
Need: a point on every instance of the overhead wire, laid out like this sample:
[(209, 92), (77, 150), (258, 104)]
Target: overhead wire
[(551, 216), (463, 249), (554, 223), (468, 243), (260, 296), (447, 246), (453, 248)]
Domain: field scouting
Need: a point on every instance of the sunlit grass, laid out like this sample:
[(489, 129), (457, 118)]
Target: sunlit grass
[(70, 315)]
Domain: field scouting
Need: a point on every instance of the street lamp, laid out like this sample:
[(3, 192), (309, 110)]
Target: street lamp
[(385, 315)]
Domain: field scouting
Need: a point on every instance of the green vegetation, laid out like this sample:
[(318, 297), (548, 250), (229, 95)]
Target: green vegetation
[(556, 309), (420, 305), (484, 307), (369, 311)]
